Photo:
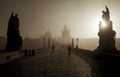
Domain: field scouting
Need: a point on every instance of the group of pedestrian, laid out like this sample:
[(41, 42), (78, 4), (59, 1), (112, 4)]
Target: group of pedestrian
[(69, 49)]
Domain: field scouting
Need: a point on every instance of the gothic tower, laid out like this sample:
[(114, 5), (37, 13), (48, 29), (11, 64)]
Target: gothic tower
[(66, 35), (106, 34)]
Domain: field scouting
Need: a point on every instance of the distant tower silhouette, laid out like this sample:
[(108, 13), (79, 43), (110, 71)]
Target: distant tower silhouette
[(14, 40), (106, 34), (66, 35)]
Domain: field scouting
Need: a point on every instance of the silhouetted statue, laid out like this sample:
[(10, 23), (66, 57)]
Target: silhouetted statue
[(106, 62), (106, 14), (106, 34), (14, 40)]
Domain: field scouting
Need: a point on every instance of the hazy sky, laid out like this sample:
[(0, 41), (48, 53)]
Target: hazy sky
[(37, 16)]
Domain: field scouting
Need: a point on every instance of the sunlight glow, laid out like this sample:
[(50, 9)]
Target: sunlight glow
[(103, 23)]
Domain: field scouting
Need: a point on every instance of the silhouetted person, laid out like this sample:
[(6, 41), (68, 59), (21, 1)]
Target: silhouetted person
[(25, 52), (14, 40), (49, 42), (43, 42), (53, 48), (69, 50), (33, 52), (76, 46)]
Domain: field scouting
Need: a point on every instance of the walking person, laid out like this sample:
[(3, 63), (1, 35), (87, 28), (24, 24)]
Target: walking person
[(69, 50), (53, 48)]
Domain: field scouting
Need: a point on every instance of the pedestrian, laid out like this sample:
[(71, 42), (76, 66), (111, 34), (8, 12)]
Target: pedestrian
[(53, 48), (33, 52), (69, 50)]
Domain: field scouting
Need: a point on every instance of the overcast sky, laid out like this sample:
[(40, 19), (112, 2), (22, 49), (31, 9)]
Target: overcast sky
[(37, 16)]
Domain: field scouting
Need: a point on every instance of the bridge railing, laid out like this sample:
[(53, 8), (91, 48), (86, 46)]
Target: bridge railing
[(6, 57)]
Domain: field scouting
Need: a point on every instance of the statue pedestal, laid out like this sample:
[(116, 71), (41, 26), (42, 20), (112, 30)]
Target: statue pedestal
[(107, 42)]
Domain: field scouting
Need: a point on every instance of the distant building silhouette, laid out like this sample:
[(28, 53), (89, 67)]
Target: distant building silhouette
[(66, 35), (14, 40), (106, 34), (47, 36)]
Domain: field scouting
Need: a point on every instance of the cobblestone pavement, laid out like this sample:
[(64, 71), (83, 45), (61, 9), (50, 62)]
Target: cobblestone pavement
[(47, 64), (102, 64)]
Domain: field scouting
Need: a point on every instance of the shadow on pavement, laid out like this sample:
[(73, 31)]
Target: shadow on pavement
[(102, 65)]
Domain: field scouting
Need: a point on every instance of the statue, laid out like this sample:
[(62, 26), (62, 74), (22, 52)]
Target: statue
[(106, 62), (106, 14), (106, 34), (14, 40)]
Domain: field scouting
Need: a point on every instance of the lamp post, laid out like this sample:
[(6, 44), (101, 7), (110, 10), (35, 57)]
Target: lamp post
[(72, 42)]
